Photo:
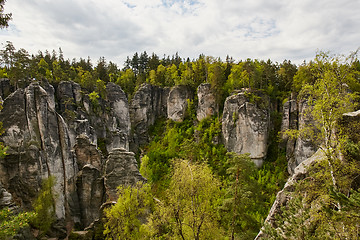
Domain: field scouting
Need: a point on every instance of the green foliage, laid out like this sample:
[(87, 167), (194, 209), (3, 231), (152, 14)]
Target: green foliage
[(189, 208), (11, 223), (241, 199), (94, 98), (44, 206), (318, 210), (101, 88), (124, 219)]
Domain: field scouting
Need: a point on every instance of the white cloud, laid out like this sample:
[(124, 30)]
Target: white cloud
[(243, 29)]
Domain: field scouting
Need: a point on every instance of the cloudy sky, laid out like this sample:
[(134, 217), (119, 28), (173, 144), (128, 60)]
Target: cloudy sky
[(262, 29)]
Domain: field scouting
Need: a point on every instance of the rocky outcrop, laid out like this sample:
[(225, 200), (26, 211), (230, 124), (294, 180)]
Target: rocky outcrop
[(282, 197), (118, 118), (108, 120), (90, 189), (245, 126), (38, 146), (120, 169), (148, 104), (177, 103), (6, 199), (60, 136), (207, 105), (296, 116)]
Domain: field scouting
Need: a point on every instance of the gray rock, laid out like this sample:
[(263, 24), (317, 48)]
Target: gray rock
[(245, 126), (296, 115), (118, 123), (90, 189), (207, 105), (304, 147), (177, 103), (120, 169), (282, 197), (39, 146), (148, 104), (6, 199), (87, 153)]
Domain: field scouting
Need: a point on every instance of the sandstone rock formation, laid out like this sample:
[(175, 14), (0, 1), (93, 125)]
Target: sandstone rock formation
[(148, 104), (89, 180), (120, 169), (296, 116), (39, 146), (59, 136), (282, 197), (207, 105), (177, 103), (245, 126)]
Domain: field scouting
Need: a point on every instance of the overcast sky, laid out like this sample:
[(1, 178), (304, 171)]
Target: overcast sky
[(257, 29)]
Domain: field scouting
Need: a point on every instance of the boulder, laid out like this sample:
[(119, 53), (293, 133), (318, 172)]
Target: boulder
[(245, 126), (207, 105)]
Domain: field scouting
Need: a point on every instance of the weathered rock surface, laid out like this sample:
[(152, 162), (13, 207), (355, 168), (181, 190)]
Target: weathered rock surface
[(39, 146), (282, 197), (177, 103), (109, 121), (118, 124), (207, 105), (245, 126), (296, 116), (89, 181), (148, 104), (289, 121), (6, 199), (120, 169), (90, 189), (58, 136)]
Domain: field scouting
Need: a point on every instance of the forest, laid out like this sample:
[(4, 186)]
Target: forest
[(195, 188)]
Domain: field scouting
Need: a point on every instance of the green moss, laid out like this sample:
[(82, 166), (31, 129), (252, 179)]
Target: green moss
[(101, 142)]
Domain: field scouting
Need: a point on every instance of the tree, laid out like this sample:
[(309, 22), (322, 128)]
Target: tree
[(242, 198), (329, 99), (124, 219), (44, 206), (11, 223), (189, 210), (4, 17), (324, 202), (216, 77)]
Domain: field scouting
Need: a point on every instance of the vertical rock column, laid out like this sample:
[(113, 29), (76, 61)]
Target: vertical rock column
[(245, 126), (120, 169)]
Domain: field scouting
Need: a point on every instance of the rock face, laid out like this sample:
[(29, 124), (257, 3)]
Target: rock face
[(118, 118), (282, 197), (60, 136), (245, 127), (148, 104), (120, 169), (39, 146), (207, 105), (296, 116), (177, 103), (108, 120)]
